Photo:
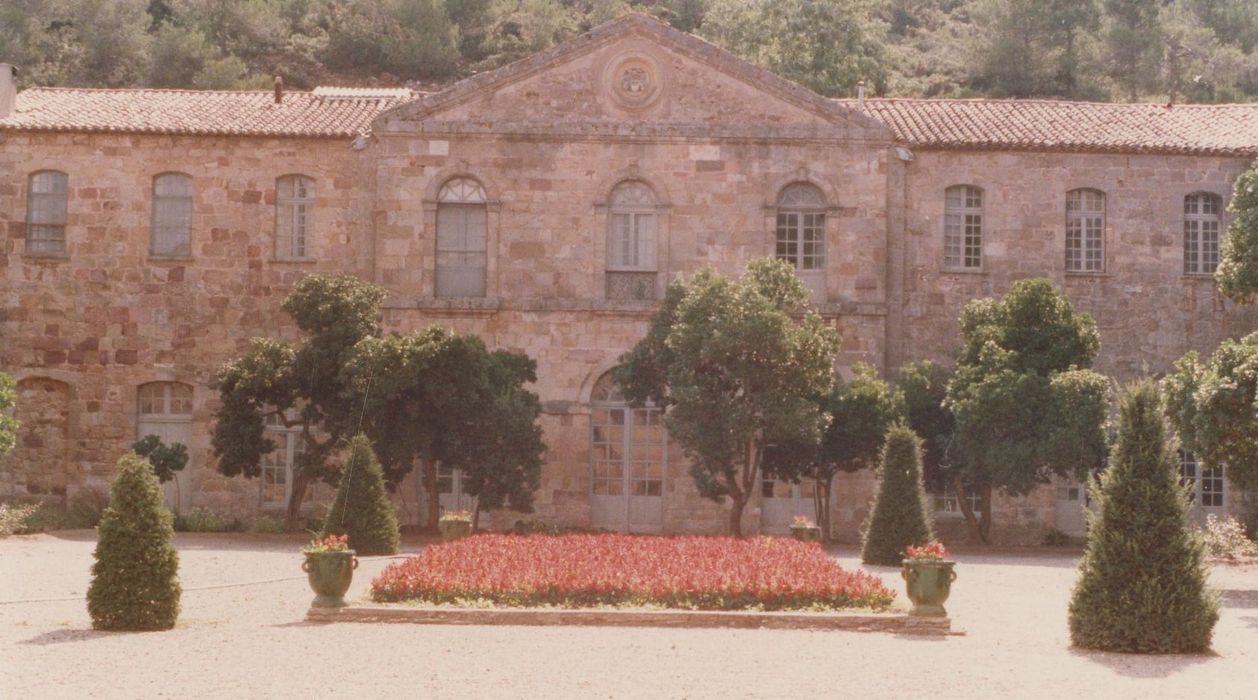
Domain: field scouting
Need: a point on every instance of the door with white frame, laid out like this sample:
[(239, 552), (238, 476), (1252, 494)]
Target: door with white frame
[(629, 452), (164, 409), (1071, 503), (781, 501), (279, 463), (1207, 487), (451, 494)]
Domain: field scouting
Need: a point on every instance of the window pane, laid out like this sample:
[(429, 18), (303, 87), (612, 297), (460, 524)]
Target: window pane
[(294, 201), (461, 250), (172, 216), (46, 204), (963, 227), (1201, 233)]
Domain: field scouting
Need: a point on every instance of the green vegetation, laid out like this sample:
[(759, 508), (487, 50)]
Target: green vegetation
[(362, 509), (1142, 581), (1178, 50), (1237, 275), (204, 520), (8, 424), (135, 583), (899, 518), (166, 459)]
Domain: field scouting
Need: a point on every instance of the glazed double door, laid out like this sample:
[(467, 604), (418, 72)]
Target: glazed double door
[(627, 473)]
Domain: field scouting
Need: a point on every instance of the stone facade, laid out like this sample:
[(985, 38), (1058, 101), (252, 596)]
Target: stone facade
[(548, 140)]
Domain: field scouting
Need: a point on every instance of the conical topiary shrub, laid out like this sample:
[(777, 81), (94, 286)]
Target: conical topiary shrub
[(362, 508), (1142, 581), (899, 517), (135, 584)]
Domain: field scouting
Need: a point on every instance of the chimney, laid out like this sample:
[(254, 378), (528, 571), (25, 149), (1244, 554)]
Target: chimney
[(860, 94), (279, 90), (8, 88)]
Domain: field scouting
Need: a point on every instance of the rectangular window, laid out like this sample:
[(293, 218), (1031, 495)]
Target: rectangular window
[(172, 216), (1201, 233), (963, 228), (294, 205), (1085, 231), (46, 203), (461, 250)]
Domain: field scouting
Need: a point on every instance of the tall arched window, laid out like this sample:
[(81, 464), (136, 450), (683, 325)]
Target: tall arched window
[(963, 228), (462, 239), (1085, 231), (294, 208), (631, 227), (47, 195), (1201, 233), (172, 216), (629, 455), (801, 227)]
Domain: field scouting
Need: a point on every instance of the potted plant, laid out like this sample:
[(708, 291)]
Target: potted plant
[(928, 575), (329, 567), (455, 524), (805, 530)]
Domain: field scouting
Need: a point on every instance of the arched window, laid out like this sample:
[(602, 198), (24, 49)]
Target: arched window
[(462, 239), (172, 216), (1085, 231), (629, 455), (963, 228), (801, 227), (294, 208), (1201, 233), (631, 227), (46, 199)]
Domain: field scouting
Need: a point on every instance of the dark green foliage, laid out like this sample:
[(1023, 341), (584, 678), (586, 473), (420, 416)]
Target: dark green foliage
[(924, 385), (362, 508), (899, 517), (166, 459), (1142, 580), (135, 583), (1237, 275), (8, 424)]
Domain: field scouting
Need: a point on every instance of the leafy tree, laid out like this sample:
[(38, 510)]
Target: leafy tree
[(165, 459), (1133, 44), (1142, 581), (925, 388), (135, 584), (1237, 275), (736, 364), (8, 424), (1030, 48), (1026, 407), (362, 509), (899, 518), (1212, 406)]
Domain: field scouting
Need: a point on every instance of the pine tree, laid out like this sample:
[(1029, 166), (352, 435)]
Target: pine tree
[(135, 583), (362, 508), (899, 516), (1142, 581)]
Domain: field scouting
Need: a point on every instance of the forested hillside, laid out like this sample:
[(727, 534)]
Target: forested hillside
[(1121, 50)]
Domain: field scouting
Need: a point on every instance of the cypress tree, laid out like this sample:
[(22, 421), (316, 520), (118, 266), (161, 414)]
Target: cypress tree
[(1142, 580), (899, 516), (135, 583), (362, 508)]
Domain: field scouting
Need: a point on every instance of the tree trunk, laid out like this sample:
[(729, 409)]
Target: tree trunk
[(821, 499), (292, 519), (985, 525), (976, 529), (476, 517), (430, 493), (737, 503)]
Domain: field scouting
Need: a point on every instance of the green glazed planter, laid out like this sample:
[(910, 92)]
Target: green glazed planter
[(806, 534), (929, 583), (330, 574), (454, 529)]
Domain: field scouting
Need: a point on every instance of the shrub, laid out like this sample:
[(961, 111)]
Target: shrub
[(362, 508), (899, 516), (1056, 538), (1142, 580), (704, 573), (1225, 538), (268, 525), (204, 520), (13, 518), (135, 582), (86, 508), (166, 459)]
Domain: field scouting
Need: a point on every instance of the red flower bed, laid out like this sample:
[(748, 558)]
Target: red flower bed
[(700, 573)]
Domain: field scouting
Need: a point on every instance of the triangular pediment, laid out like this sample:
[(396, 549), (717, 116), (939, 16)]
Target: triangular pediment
[(634, 73)]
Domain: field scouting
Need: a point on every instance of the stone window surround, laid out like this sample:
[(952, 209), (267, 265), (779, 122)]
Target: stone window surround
[(982, 211), (65, 218), (1082, 215), (309, 203), (602, 223), (832, 210), (428, 234)]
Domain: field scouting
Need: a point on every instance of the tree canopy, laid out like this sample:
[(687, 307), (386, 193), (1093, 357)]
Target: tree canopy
[(1025, 404), (1177, 50), (1237, 275), (736, 371)]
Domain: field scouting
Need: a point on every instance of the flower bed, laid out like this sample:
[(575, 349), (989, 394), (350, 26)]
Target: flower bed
[(696, 573)]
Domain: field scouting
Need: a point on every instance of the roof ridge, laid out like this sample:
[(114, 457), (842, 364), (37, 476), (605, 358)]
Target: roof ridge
[(1043, 100), (182, 91)]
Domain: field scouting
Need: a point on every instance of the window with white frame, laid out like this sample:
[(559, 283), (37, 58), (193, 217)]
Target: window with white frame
[(629, 444), (462, 239), (801, 227), (294, 209), (1205, 485), (1202, 222), (172, 216), (963, 228), (278, 464), (631, 235), (47, 195), (1085, 231), (947, 503)]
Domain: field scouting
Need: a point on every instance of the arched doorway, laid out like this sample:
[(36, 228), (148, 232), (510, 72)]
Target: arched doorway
[(628, 449)]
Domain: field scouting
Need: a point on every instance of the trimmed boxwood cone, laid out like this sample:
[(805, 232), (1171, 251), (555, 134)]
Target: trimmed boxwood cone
[(362, 508)]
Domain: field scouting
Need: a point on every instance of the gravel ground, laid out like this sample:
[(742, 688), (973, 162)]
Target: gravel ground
[(246, 641)]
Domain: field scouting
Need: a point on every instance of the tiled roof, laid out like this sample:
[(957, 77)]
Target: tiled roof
[(1046, 125), (200, 112)]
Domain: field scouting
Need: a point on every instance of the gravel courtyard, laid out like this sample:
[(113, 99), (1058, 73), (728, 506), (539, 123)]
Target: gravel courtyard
[(249, 640)]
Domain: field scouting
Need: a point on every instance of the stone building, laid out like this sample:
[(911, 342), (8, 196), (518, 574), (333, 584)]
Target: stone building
[(544, 206)]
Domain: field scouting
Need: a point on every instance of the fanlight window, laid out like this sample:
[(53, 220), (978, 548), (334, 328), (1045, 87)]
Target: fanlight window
[(801, 227), (1085, 231), (1201, 233), (963, 228), (172, 216), (294, 207), (631, 235), (170, 399), (46, 202), (462, 239)]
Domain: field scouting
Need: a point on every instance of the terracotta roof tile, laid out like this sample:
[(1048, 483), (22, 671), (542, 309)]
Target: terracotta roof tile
[(344, 113), (1046, 125)]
